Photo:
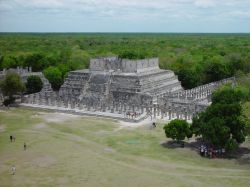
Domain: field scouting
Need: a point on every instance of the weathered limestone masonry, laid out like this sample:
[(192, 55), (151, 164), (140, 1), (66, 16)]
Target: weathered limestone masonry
[(128, 90), (119, 80)]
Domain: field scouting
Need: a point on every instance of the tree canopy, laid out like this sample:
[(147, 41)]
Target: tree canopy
[(223, 123), (34, 84), (196, 58), (54, 75), (11, 85), (177, 130)]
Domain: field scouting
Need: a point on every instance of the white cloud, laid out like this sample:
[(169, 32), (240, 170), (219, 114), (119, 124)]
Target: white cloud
[(205, 3), (149, 11)]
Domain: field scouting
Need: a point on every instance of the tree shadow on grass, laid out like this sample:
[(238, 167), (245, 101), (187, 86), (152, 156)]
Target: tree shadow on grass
[(171, 144), (241, 155)]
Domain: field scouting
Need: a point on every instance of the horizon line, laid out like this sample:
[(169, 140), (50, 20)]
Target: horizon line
[(61, 32)]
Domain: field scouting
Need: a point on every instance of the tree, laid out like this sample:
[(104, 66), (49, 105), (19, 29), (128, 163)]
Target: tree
[(10, 61), (1, 61), (11, 85), (235, 63), (54, 75), (215, 71), (34, 84), (223, 123), (177, 130), (36, 61), (133, 54)]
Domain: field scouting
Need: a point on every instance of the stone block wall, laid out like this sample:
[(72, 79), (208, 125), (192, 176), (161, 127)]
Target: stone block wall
[(124, 65), (138, 66)]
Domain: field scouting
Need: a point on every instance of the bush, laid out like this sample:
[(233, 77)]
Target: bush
[(54, 75), (9, 101), (12, 84), (34, 84), (178, 130)]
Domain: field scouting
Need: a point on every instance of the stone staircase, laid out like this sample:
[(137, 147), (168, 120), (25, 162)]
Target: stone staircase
[(97, 87), (74, 84)]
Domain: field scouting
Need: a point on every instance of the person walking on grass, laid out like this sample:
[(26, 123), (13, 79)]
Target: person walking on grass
[(11, 138), (24, 146), (13, 170)]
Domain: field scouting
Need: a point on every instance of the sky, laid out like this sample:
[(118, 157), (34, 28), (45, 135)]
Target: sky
[(191, 16)]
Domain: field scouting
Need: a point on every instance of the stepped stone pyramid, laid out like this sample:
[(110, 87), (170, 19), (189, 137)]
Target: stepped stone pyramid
[(113, 79)]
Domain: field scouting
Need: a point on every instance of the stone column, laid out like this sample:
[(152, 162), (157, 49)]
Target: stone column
[(120, 109), (40, 99), (169, 114), (112, 108), (49, 101), (80, 105), (142, 109), (58, 102), (162, 113), (177, 113), (154, 108), (103, 108), (158, 110), (88, 107), (116, 107)]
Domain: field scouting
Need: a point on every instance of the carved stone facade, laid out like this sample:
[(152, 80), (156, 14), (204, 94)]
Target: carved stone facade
[(114, 79), (128, 90)]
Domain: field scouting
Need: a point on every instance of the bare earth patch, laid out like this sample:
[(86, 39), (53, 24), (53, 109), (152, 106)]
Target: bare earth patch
[(2, 128), (58, 117), (124, 124), (44, 161), (40, 126)]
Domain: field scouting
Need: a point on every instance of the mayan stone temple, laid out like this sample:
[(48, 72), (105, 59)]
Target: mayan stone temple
[(125, 89)]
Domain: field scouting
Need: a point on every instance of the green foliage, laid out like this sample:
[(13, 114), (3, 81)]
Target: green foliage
[(11, 85), (10, 62), (54, 75), (223, 122), (36, 61), (8, 101), (78, 59), (130, 54), (229, 95), (215, 70), (177, 130), (196, 58), (231, 144), (34, 84), (235, 63)]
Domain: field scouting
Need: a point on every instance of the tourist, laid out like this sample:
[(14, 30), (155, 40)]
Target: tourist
[(202, 150), (13, 170), (206, 152), (211, 153), (11, 137), (223, 151), (154, 124), (24, 146)]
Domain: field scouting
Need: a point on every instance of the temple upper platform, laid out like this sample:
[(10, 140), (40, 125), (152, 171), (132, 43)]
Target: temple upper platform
[(123, 65)]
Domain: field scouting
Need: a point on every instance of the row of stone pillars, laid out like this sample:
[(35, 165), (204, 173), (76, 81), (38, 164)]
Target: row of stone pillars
[(171, 111)]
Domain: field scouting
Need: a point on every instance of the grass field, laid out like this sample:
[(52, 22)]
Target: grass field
[(66, 150)]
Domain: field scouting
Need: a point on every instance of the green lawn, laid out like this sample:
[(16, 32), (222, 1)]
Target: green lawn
[(64, 150)]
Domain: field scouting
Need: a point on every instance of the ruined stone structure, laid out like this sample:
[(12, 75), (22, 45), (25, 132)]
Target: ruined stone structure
[(24, 73), (114, 79), (128, 90)]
